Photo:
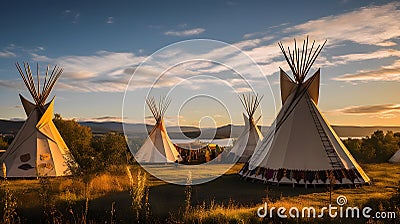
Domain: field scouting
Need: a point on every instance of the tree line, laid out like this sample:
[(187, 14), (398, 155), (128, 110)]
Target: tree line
[(94, 154), (377, 148)]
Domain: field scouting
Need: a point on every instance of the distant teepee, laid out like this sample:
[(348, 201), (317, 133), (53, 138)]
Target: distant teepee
[(395, 158), (158, 147), (248, 139), (301, 146), (37, 149)]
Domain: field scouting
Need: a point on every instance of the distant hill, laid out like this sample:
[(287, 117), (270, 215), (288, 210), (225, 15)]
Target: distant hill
[(10, 127), (140, 130), (360, 131)]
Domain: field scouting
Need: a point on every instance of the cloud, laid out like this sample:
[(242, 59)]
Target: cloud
[(12, 51), (243, 90), (268, 32), (252, 42), (372, 25), (102, 72), (184, 33), (105, 118), (102, 62), (183, 25), (370, 109), (155, 27), (106, 71), (384, 74), (71, 15), (110, 20), (12, 84), (231, 3), (380, 111), (385, 53), (7, 54), (387, 44)]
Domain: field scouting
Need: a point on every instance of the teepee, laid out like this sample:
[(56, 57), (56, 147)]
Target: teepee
[(301, 147), (248, 139), (158, 147), (37, 149), (395, 158)]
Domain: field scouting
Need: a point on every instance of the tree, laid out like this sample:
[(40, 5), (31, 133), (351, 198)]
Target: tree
[(78, 139), (112, 149)]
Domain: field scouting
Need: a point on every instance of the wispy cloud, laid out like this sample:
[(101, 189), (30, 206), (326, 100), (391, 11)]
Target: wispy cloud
[(106, 71), (384, 74), (9, 51), (110, 20), (381, 111), (14, 84), (7, 54), (104, 118), (103, 72), (231, 3), (384, 53), (376, 26), (74, 16), (370, 109), (372, 25), (184, 33)]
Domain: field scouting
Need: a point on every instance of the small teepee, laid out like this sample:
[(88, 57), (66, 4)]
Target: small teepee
[(301, 146), (38, 148), (395, 158), (158, 147), (248, 139)]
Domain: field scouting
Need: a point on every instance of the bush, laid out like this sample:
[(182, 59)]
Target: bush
[(3, 144), (78, 139), (92, 154), (111, 149)]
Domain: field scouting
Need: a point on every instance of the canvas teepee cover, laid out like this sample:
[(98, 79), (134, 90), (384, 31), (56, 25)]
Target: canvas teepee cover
[(37, 149), (158, 147), (395, 158), (251, 135), (301, 146)]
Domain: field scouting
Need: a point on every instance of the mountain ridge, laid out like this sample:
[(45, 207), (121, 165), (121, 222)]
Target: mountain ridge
[(229, 130)]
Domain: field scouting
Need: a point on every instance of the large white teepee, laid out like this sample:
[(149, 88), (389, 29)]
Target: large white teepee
[(158, 147), (301, 147), (37, 149), (395, 158), (248, 139)]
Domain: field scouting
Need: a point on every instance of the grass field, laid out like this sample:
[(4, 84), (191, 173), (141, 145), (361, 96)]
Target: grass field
[(115, 198)]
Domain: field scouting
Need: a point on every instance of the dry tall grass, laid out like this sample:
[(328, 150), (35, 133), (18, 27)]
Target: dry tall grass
[(138, 191), (74, 194), (376, 196), (9, 201)]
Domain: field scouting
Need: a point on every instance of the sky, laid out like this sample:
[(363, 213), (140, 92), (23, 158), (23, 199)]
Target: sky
[(202, 55)]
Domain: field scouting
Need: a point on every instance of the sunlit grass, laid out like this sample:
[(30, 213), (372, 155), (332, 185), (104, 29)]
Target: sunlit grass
[(386, 178), (70, 192)]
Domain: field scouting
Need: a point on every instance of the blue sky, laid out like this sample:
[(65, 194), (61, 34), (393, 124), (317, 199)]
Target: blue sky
[(101, 43)]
